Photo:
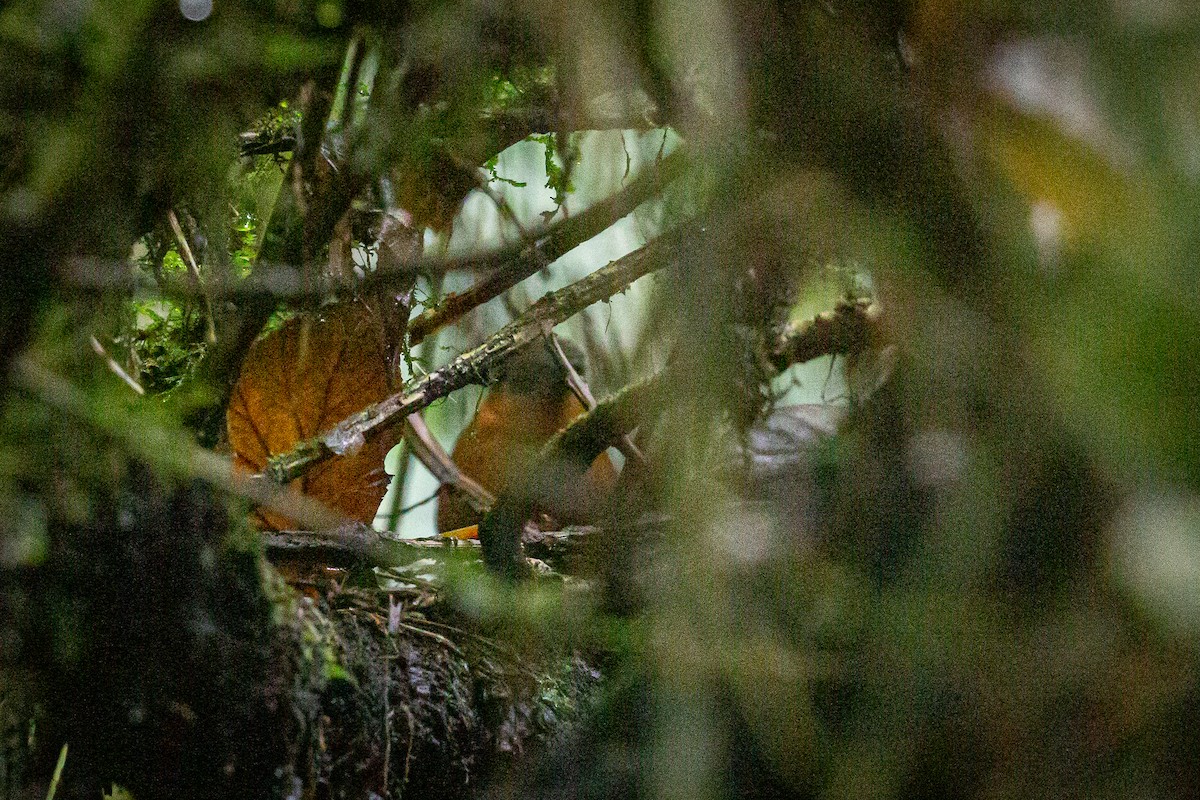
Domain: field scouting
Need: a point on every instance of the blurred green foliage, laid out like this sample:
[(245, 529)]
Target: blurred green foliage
[(984, 585)]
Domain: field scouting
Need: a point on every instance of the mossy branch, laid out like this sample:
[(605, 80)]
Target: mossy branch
[(472, 367), (851, 327)]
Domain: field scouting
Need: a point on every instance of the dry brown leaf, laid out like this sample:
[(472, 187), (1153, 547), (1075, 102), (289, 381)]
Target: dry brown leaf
[(300, 381)]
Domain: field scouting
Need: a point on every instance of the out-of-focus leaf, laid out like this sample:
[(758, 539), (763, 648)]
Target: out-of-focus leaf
[(1097, 204), (1156, 558), (1118, 358), (289, 53)]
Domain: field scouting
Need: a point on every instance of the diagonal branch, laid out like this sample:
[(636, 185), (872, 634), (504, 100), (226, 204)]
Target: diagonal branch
[(168, 452), (435, 458), (474, 366), (851, 327), (280, 281), (512, 265), (194, 275)]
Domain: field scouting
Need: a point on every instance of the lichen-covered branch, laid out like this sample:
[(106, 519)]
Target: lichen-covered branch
[(851, 327), (474, 366)]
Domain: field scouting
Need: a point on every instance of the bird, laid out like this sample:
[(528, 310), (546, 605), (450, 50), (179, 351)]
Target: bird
[(529, 403)]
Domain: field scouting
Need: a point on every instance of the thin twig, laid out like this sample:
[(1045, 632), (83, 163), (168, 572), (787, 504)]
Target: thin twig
[(574, 380), (459, 633), (624, 442), (58, 771), (435, 636), (396, 514), (484, 185), (194, 273), (116, 368), (430, 452)]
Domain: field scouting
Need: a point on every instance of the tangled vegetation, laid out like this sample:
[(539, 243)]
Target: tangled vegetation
[(863, 330)]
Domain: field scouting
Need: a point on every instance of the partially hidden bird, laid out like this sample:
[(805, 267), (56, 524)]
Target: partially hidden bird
[(529, 403)]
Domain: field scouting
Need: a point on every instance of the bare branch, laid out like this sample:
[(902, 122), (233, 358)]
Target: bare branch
[(116, 368), (435, 458), (575, 381), (194, 275), (512, 265), (358, 545)]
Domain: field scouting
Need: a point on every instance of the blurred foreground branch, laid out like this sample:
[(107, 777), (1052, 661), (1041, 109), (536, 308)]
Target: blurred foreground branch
[(170, 452), (505, 127), (850, 328), (277, 281)]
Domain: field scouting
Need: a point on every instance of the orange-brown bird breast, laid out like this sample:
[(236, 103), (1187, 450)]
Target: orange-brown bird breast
[(500, 443)]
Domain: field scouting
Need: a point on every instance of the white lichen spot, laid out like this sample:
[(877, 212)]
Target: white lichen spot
[(344, 442), (195, 10)]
